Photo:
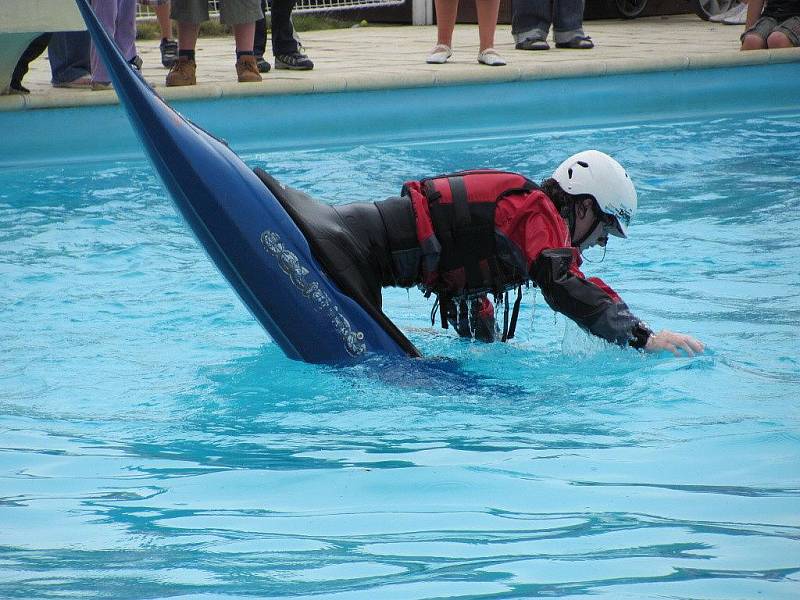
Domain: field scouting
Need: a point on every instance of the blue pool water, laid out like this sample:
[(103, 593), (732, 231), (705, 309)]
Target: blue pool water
[(155, 443)]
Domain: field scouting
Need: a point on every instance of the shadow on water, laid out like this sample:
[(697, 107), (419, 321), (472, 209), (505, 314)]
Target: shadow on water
[(263, 411)]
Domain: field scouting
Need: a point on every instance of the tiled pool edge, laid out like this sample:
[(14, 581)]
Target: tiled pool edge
[(448, 76)]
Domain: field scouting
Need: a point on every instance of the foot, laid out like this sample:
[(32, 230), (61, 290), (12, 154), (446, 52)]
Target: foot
[(247, 69), (579, 42), (169, 52), (439, 54), (262, 64), (183, 72), (296, 61), (17, 88), (81, 83), (491, 58), (101, 86), (532, 44)]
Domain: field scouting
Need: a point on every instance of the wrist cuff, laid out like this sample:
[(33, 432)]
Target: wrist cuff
[(639, 335)]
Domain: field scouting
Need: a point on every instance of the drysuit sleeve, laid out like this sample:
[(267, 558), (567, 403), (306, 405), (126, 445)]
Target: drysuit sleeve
[(593, 305)]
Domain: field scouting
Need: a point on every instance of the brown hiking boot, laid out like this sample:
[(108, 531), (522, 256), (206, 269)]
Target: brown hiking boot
[(182, 72), (247, 69)]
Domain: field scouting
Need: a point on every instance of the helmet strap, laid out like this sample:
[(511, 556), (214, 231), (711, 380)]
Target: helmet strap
[(602, 258)]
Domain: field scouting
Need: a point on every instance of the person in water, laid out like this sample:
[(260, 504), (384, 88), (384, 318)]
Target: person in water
[(468, 235)]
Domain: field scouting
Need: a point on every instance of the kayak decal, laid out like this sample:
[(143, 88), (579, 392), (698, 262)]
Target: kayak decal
[(290, 265)]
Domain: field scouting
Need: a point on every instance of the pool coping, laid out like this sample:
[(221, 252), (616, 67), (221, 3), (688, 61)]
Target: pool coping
[(669, 44), (342, 79)]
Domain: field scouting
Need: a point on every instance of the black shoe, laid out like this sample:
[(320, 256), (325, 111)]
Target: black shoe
[(16, 87), (532, 44), (262, 64), (294, 60), (169, 52)]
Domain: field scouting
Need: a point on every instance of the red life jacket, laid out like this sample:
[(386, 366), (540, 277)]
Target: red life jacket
[(456, 231)]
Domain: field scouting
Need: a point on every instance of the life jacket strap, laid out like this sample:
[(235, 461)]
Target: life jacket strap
[(505, 318), (515, 314)]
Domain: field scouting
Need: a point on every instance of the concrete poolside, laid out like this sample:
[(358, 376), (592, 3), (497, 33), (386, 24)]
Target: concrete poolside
[(376, 57)]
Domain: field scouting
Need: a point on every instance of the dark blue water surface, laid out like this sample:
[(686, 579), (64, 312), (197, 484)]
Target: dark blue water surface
[(155, 443)]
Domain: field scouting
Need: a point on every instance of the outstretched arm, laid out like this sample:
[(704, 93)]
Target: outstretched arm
[(598, 309)]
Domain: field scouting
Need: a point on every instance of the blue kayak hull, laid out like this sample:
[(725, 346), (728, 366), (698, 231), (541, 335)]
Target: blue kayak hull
[(244, 229)]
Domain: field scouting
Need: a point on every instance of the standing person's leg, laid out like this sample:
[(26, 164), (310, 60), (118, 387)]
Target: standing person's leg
[(242, 16), (125, 31), (187, 36), (168, 46), (446, 11), (487, 24), (568, 25), (243, 34), (164, 22), (31, 53), (106, 11), (70, 63), (260, 41), (285, 46), (530, 24), (188, 14)]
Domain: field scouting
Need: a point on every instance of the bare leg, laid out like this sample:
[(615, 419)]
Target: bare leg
[(753, 42), (164, 24), (446, 20), (187, 35), (487, 21), (244, 33), (777, 39)]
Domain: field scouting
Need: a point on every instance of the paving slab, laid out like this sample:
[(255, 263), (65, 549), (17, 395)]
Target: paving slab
[(381, 57)]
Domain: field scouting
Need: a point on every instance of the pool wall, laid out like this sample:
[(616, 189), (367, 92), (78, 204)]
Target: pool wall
[(40, 137)]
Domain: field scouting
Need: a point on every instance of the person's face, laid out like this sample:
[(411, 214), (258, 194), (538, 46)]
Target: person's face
[(588, 227)]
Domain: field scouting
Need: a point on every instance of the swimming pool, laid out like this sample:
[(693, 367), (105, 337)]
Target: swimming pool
[(157, 444)]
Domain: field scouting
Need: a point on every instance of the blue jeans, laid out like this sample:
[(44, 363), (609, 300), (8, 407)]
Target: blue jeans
[(532, 19), (68, 53)]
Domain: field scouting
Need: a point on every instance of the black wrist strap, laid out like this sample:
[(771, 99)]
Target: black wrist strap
[(639, 335)]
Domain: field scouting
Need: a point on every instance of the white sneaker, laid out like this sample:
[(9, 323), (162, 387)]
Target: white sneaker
[(439, 54), (736, 16), (491, 57)]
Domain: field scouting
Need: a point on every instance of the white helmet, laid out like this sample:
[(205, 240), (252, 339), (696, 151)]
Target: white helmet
[(598, 175)]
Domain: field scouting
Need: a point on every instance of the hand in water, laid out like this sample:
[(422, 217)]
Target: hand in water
[(674, 342)]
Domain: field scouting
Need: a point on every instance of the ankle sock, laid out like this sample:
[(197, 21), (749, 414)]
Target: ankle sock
[(244, 53), (187, 53)]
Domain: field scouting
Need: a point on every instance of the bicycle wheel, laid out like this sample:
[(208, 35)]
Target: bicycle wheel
[(708, 8), (630, 9)]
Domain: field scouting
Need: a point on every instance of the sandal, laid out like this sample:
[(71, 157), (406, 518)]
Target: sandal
[(491, 57), (439, 54), (579, 42), (533, 44)]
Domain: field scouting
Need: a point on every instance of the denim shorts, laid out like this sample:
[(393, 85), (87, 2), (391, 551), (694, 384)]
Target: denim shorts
[(231, 12), (766, 25)]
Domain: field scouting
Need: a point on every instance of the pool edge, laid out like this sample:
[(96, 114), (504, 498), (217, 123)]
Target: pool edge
[(457, 75)]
